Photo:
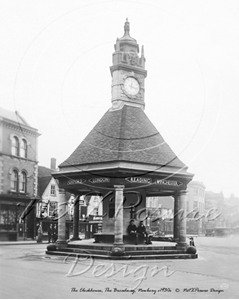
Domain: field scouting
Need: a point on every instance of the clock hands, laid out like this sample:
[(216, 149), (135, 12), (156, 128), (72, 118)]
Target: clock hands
[(133, 87)]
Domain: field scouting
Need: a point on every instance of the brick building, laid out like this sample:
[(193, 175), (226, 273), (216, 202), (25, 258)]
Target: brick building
[(195, 207), (214, 201), (18, 176)]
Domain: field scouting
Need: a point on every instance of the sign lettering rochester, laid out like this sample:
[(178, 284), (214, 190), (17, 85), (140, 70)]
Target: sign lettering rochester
[(168, 182)]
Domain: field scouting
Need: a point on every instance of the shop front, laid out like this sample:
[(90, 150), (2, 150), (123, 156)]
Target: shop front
[(13, 226)]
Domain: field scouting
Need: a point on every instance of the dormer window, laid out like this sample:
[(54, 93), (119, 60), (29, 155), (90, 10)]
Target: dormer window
[(15, 146), (23, 150)]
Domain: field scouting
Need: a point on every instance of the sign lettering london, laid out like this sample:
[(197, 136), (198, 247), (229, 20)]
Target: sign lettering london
[(99, 180)]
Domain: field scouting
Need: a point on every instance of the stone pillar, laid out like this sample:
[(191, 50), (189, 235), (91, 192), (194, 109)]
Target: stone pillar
[(176, 220), (181, 220), (76, 219), (118, 246), (62, 204)]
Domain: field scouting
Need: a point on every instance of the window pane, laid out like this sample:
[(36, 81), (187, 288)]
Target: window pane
[(53, 207), (111, 210), (53, 190), (8, 215), (15, 146), (195, 191), (14, 181), (23, 182), (187, 206), (195, 204), (23, 149)]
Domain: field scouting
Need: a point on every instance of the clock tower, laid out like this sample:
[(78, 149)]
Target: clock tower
[(128, 72)]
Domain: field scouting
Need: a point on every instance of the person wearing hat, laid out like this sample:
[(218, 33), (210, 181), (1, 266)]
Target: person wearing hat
[(132, 232), (191, 242), (142, 232), (50, 231)]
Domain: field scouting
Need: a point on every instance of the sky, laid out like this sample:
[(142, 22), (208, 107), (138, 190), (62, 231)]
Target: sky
[(55, 57)]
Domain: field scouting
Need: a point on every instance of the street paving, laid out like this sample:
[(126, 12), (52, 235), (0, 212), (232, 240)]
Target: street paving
[(27, 272)]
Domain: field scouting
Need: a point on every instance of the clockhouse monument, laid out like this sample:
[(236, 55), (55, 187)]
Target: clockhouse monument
[(124, 159)]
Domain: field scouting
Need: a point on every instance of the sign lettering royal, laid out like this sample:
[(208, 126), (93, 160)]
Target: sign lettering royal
[(75, 181)]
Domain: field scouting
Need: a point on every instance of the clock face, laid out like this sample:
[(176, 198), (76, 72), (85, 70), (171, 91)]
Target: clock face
[(131, 86)]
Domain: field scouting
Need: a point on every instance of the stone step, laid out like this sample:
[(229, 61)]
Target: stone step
[(86, 251), (127, 252), (125, 257), (127, 247), (154, 252)]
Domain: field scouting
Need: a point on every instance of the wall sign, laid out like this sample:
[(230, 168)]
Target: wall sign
[(139, 180), (99, 180), (145, 180), (168, 182), (75, 181)]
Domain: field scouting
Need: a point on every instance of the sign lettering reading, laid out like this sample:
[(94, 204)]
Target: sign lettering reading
[(139, 180)]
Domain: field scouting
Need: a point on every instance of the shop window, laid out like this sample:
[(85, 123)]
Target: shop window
[(8, 215), (83, 211), (53, 209), (132, 211), (111, 210)]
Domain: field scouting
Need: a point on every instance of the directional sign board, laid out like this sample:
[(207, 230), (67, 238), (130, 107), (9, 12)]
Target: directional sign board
[(151, 181)]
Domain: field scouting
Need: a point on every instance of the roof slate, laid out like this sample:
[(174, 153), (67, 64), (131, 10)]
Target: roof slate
[(43, 171), (12, 116), (43, 183), (126, 134)]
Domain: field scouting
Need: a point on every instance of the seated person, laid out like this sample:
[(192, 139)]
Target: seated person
[(142, 231), (191, 242), (132, 231)]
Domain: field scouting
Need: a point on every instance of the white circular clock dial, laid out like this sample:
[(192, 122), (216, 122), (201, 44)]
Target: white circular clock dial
[(131, 86)]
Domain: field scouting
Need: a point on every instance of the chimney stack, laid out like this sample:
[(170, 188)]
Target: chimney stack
[(53, 163)]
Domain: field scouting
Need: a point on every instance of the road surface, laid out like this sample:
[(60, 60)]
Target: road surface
[(27, 272)]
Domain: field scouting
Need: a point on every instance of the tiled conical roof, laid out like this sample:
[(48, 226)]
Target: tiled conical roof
[(124, 135)]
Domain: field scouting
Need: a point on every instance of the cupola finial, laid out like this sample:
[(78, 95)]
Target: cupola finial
[(126, 26)]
